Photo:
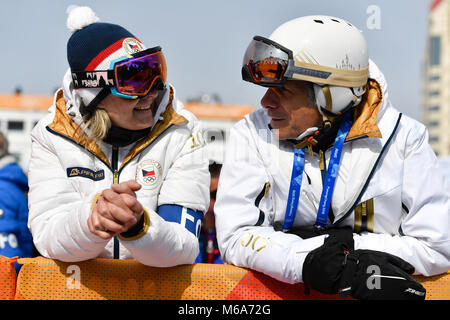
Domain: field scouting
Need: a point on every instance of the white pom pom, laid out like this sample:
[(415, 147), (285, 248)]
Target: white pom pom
[(80, 17)]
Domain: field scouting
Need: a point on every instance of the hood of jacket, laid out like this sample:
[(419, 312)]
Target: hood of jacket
[(369, 112), (374, 117)]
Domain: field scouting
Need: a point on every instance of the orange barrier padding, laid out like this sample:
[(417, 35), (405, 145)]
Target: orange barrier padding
[(100, 279), (438, 287), (7, 278), (258, 286)]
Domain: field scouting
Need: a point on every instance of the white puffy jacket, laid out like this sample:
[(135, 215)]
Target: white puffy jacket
[(389, 189), (66, 174)]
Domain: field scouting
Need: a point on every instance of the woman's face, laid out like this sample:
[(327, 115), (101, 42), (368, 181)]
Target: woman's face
[(131, 114)]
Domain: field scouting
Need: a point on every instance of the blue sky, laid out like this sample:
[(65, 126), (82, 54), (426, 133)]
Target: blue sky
[(204, 41)]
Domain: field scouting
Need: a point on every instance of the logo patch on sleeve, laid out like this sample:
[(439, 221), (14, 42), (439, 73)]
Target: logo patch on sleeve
[(85, 173), (188, 218)]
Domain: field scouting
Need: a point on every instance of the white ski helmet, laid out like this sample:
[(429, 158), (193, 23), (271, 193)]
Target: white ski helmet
[(327, 51)]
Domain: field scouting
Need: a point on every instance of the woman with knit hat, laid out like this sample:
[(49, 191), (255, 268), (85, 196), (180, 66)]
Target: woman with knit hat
[(118, 167)]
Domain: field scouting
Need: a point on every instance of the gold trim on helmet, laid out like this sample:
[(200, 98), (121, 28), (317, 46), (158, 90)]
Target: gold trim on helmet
[(331, 76)]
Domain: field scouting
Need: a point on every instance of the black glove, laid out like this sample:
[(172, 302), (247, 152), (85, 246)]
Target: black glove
[(364, 274), (375, 275), (344, 234), (323, 267)]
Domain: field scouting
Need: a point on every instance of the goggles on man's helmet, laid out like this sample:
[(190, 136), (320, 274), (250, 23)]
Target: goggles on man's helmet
[(133, 76), (269, 64)]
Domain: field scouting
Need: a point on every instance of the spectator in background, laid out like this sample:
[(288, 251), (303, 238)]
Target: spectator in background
[(209, 250), (15, 238)]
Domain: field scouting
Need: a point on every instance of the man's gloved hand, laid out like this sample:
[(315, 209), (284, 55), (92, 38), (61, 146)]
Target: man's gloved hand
[(323, 267), (344, 234), (375, 275), (364, 274)]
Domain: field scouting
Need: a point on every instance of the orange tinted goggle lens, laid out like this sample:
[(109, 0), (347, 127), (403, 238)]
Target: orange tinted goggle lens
[(137, 76), (265, 62), (268, 70)]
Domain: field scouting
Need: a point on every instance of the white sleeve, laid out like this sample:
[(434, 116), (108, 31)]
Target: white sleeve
[(425, 230), (241, 241), (57, 212), (185, 195)]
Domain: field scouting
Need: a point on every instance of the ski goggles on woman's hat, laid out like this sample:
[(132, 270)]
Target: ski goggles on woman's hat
[(269, 64), (133, 76)]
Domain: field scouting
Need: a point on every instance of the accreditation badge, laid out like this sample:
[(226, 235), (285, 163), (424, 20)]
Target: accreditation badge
[(149, 174)]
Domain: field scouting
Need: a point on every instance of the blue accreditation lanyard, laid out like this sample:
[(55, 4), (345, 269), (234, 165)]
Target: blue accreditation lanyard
[(330, 178), (294, 188)]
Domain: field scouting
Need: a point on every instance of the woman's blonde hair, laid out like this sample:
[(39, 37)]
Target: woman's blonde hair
[(98, 124)]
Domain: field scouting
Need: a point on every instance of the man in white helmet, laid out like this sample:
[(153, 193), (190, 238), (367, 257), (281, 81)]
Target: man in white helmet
[(328, 184)]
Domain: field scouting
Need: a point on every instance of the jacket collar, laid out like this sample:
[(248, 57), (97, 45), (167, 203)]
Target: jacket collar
[(364, 117)]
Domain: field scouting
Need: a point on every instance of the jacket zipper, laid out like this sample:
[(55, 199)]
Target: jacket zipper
[(322, 165), (114, 163), (266, 189), (364, 216)]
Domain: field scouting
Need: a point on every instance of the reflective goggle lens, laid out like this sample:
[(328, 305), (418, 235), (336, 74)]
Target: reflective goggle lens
[(267, 70), (137, 76), (264, 63)]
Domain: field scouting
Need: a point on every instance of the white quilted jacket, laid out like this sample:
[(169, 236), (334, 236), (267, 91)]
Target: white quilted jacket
[(66, 173), (389, 188)]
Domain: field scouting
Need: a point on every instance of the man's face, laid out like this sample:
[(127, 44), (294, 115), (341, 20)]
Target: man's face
[(291, 110)]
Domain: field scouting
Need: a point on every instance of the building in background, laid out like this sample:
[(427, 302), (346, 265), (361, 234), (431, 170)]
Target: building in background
[(217, 120), (436, 77), (19, 113)]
